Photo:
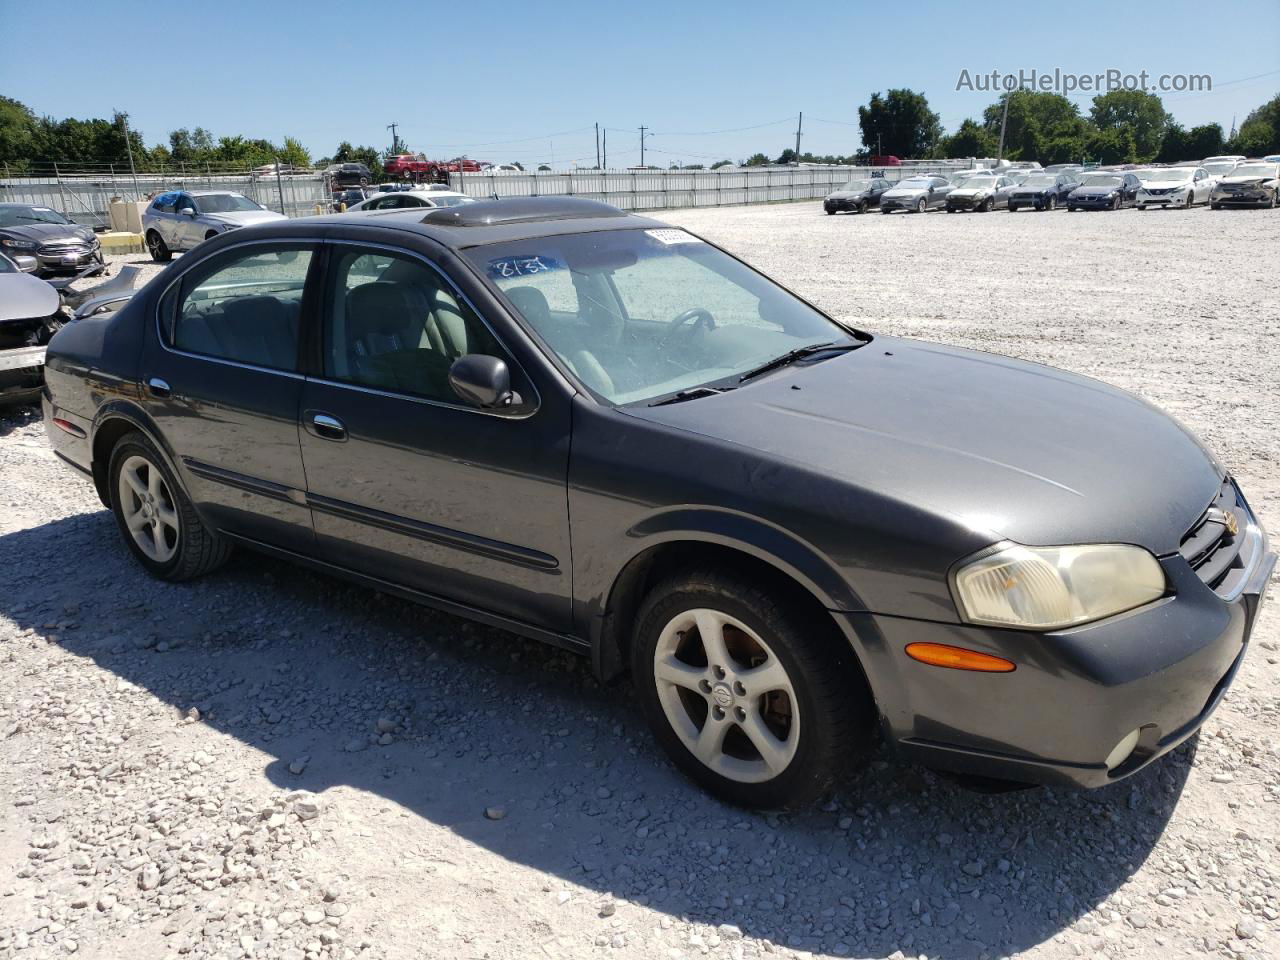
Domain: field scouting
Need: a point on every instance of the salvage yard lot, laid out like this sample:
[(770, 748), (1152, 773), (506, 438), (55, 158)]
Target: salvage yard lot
[(271, 763)]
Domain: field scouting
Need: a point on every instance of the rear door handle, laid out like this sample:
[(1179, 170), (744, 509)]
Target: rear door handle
[(159, 388), (325, 426)]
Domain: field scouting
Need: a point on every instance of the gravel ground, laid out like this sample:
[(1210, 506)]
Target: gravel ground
[(269, 763)]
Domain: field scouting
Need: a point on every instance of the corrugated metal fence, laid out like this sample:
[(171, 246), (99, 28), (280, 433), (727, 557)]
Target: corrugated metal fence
[(86, 198), (658, 189)]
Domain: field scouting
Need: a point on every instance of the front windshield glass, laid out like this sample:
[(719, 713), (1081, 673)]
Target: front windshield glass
[(1220, 168), (639, 314), (1040, 181), (1099, 180), (225, 203), (915, 183), (22, 216), (1163, 173), (856, 186), (973, 181), (451, 201)]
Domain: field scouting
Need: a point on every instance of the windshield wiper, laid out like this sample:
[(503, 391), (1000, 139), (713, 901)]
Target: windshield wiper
[(792, 356), (693, 393)]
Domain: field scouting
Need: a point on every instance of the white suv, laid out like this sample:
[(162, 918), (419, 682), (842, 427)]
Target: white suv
[(180, 219)]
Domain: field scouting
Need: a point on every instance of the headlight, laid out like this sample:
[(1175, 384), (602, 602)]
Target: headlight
[(1048, 588), (16, 244)]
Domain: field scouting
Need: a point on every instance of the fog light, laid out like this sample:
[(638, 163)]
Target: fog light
[(1122, 749)]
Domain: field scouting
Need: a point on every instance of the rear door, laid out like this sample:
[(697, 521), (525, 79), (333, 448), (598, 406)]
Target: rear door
[(221, 370), (406, 482)]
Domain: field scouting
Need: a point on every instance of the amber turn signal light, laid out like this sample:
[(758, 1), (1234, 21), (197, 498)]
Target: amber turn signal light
[(958, 658)]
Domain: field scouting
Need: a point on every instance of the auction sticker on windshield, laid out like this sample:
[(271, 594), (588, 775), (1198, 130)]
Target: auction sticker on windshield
[(670, 237), (507, 267)]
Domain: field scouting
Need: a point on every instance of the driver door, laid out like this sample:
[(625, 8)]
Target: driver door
[(407, 484), (186, 227)]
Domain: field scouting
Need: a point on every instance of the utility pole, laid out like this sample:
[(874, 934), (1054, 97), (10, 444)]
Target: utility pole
[(1004, 120), (124, 122), (395, 139), (597, 146), (605, 161), (642, 136), (799, 127)]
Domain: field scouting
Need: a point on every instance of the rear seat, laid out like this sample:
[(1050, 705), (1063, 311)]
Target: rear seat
[(261, 330)]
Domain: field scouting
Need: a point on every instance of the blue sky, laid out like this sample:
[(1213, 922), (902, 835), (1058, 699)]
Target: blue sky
[(526, 80)]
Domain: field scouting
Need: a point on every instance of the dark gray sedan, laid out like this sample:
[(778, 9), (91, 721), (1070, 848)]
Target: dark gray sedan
[(58, 245), (608, 434)]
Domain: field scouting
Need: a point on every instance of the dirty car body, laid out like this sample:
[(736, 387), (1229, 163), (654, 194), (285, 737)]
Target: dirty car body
[(628, 403)]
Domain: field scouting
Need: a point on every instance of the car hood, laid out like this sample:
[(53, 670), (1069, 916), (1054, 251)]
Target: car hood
[(898, 192), (1094, 191), (847, 195), (245, 217), (971, 191), (1248, 178), (1030, 190), (1003, 447), (1164, 184), (23, 297), (42, 232)]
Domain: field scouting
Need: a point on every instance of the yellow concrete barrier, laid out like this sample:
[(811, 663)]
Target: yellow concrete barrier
[(118, 241)]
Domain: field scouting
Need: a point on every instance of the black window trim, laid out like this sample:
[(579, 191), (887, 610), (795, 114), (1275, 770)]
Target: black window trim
[(313, 336), (309, 293)]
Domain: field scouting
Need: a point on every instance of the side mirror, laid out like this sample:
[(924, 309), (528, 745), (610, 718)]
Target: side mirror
[(26, 264), (187, 212), (483, 382)]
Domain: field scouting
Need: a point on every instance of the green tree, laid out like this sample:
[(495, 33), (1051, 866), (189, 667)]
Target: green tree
[(787, 156), (1205, 141), (21, 135), (1035, 118), (1141, 112), (1174, 147), (294, 153), (970, 140), (1109, 146), (900, 124), (721, 163), (756, 160)]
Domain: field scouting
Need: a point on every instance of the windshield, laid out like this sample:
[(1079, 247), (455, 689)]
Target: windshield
[(225, 203), (915, 183), (1220, 168), (856, 186), (637, 314), (1256, 170), (21, 216), (1040, 181), (974, 181), (1099, 180), (1163, 173), (451, 201)]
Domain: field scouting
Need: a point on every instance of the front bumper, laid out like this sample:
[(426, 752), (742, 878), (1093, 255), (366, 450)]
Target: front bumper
[(21, 374), (67, 262), (843, 205), (1243, 198), (899, 203), (1075, 695), (968, 203), (1161, 200), (1090, 203), (1019, 202)]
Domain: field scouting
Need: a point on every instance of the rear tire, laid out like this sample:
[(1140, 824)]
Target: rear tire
[(768, 675), (155, 517), (158, 249)]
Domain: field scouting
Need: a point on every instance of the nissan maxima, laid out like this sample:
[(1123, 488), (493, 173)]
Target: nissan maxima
[(606, 433)]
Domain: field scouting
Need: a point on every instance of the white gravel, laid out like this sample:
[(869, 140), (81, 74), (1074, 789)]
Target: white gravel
[(269, 763)]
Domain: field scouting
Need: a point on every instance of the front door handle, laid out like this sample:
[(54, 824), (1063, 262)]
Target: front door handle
[(159, 388), (326, 427)]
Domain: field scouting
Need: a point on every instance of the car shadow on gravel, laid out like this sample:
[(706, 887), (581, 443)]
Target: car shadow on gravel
[(298, 665)]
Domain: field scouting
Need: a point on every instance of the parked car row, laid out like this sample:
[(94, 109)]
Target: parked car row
[(1217, 182)]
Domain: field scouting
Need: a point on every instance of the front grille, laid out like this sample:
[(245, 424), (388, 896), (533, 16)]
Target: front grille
[(1221, 559)]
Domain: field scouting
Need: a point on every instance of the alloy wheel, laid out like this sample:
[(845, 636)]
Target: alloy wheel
[(726, 695), (148, 508)]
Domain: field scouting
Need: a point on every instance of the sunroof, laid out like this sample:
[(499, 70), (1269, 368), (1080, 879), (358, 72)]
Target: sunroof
[(487, 213)]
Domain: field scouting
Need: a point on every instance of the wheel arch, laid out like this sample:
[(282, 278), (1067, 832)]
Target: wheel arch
[(790, 567), (113, 421)]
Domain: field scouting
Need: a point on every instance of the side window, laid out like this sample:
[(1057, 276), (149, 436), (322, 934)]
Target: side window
[(183, 202), (164, 202), (393, 323), (245, 306)]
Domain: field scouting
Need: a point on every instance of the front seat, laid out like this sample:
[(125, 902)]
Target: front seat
[(533, 306), (386, 326)]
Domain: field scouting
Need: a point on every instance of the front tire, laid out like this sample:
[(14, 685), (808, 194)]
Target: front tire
[(1052, 204), (158, 522), (158, 249), (921, 205), (752, 700)]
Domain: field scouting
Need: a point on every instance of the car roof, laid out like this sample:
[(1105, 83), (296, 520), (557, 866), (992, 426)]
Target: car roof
[(208, 193), (496, 221)]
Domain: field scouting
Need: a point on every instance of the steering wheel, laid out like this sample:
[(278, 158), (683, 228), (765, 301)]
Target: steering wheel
[(701, 320)]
